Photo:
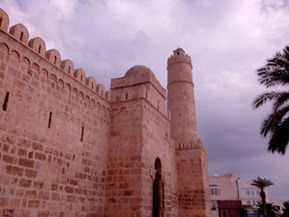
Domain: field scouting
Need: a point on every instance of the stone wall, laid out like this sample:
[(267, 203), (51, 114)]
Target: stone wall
[(124, 161), (68, 148), (140, 133), (157, 143), (47, 167), (193, 197)]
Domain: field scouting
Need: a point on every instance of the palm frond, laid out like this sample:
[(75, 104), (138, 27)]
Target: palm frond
[(272, 121), (272, 210), (261, 183), (280, 138), (280, 100), (276, 71), (265, 97), (286, 209)]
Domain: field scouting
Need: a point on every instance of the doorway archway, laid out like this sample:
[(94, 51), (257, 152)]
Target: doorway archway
[(158, 190)]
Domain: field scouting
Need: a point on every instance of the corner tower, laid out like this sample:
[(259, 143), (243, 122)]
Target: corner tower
[(191, 154)]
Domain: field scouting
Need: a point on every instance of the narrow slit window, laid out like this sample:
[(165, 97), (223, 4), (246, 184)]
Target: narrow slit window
[(82, 134), (54, 59), (69, 69), (50, 119), (80, 77), (126, 95), (5, 104), (39, 48), (146, 94), (158, 104), (0, 21), (21, 36)]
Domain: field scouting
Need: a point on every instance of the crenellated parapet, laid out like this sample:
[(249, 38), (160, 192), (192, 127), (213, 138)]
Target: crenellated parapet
[(36, 48), (179, 56)]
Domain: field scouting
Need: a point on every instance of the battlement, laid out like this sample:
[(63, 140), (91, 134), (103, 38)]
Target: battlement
[(37, 46), (179, 56)]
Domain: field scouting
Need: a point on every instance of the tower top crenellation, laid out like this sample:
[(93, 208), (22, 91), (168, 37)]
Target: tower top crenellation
[(179, 55)]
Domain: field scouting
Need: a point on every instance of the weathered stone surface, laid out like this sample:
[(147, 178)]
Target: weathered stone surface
[(69, 148)]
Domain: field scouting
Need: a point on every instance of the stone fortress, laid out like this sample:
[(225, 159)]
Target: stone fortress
[(69, 148)]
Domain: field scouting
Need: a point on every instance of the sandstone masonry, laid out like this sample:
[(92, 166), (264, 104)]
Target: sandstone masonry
[(69, 148)]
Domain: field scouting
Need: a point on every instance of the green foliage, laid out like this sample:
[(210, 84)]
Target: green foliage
[(272, 210), (286, 209), (276, 73), (261, 183)]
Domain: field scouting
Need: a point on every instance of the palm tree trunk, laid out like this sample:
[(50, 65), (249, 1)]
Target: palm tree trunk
[(263, 196)]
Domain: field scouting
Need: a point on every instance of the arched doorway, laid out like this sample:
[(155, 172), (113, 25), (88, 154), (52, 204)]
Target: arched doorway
[(158, 191)]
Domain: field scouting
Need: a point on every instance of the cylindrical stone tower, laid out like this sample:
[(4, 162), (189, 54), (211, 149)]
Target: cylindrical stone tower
[(181, 102), (191, 154)]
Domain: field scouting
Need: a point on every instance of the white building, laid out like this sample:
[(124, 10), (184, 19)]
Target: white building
[(247, 193), (223, 187), (227, 188)]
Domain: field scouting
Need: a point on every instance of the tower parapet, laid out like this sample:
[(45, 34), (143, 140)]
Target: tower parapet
[(179, 56)]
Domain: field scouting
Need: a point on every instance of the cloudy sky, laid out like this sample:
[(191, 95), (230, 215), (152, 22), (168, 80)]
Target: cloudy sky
[(227, 40)]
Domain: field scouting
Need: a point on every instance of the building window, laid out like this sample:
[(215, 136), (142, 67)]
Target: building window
[(82, 134), (49, 120), (212, 191), (248, 202), (215, 191), (5, 104), (248, 192)]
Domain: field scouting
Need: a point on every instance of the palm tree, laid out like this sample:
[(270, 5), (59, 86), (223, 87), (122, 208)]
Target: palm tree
[(272, 210), (276, 73), (286, 209), (262, 184)]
